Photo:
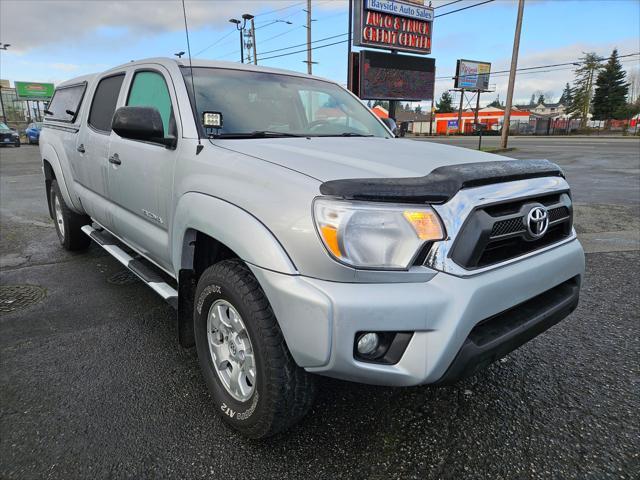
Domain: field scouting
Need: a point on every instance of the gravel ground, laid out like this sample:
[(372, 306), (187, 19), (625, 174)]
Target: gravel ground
[(94, 385)]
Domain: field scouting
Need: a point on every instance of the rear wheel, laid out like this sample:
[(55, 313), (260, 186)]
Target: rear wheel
[(256, 386), (68, 223)]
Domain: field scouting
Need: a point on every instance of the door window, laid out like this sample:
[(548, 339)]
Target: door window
[(104, 103), (149, 89), (65, 103)]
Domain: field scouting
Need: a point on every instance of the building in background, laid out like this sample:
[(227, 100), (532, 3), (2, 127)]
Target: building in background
[(18, 112), (491, 117), (552, 110)]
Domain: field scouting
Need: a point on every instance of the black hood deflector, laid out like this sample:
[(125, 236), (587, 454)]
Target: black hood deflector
[(441, 184)]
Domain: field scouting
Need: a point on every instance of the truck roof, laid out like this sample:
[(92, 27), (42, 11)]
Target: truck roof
[(197, 62)]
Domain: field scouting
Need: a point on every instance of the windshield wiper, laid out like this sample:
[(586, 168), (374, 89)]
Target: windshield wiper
[(258, 134), (347, 134)]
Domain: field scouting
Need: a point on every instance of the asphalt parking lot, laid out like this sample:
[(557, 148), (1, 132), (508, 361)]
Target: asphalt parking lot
[(94, 385)]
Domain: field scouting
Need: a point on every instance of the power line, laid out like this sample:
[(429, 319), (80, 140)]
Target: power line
[(601, 59), (215, 43), (303, 44), (447, 4), (261, 26), (299, 51), (463, 8), (279, 9)]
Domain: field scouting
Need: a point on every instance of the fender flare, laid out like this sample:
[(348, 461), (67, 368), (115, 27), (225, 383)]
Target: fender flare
[(229, 224), (48, 154)]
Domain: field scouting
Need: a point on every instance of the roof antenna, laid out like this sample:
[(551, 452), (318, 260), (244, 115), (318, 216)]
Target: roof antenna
[(193, 88)]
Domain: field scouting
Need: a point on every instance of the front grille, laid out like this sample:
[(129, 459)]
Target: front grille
[(497, 233), (506, 227)]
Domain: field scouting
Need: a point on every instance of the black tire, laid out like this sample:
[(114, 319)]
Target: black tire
[(18, 144), (283, 391), (71, 236)]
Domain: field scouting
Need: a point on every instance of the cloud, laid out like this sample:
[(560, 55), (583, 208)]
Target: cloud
[(56, 21)]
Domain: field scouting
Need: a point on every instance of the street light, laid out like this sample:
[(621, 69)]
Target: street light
[(4, 46), (179, 54), (240, 29)]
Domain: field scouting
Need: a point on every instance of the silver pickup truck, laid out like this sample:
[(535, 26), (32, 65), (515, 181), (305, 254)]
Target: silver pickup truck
[(296, 236)]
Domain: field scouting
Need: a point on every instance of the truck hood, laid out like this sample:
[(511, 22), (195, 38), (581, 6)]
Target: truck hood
[(332, 158)]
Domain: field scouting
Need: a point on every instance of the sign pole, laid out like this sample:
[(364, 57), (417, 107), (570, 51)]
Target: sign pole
[(4, 113), (431, 118), (349, 67), (512, 76), (460, 112)]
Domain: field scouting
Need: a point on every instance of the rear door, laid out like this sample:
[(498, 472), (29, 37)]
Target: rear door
[(142, 181), (91, 161)]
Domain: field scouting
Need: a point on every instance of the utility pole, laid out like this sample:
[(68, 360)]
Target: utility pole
[(253, 37), (309, 20), (512, 75)]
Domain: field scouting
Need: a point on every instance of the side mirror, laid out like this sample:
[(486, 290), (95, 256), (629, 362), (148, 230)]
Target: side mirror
[(141, 123), (391, 124)]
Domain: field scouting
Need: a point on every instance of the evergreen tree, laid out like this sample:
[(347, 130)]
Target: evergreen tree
[(532, 102), (418, 109), (383, 103), (610, 98), (540, 99), (445, 104), (582, 92), (565, 98), (496, 103)]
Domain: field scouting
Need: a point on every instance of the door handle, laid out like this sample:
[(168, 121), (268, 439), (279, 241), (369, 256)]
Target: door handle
[(115, 159), (81, 148)]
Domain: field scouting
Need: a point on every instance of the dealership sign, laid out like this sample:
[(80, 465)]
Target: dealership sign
[(472, 75), (404, 26), (400, 8), (34, 91)]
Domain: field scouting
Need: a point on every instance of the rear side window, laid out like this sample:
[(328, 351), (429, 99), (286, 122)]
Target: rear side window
[(65, 103), (149, 89), (104, 102)]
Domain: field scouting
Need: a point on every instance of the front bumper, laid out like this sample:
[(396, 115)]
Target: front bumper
[(320, 319)]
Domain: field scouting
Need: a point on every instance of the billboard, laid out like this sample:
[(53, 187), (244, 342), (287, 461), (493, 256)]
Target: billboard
[(384, 76), (404, 26), (472, 75), (34, 91)]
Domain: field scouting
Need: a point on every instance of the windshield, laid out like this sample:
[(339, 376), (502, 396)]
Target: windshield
[(260, 104), (3, 126)]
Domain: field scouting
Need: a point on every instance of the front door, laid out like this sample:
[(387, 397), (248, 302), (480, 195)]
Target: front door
[(142, 178)]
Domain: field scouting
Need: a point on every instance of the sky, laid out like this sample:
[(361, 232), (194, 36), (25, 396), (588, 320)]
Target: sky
[(54, 40)]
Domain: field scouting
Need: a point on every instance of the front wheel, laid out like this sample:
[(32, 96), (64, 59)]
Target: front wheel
[(256, 386), (68, 223)]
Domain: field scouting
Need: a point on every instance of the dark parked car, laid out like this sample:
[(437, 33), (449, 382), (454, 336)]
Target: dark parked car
[(8, 136), (33, 132)]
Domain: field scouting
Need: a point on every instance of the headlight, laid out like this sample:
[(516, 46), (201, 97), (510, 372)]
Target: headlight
[(375, 235)]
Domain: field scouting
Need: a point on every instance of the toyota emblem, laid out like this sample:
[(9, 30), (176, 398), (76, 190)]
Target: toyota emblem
[(537, 221)]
